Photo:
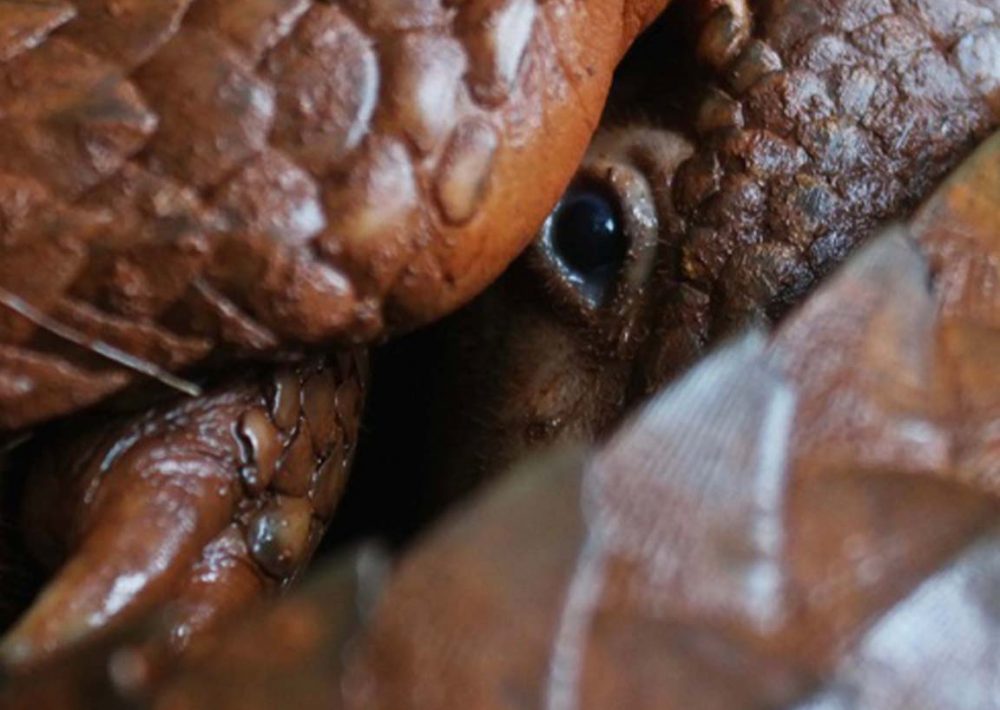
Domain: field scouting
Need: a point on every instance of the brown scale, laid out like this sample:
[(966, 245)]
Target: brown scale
[(816, 121), (839, 116), (807, 520), (200, 506), (178, 178), (182, 181)]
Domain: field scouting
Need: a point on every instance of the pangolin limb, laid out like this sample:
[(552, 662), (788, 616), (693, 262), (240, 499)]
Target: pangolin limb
[(199, 507), (806, 520)]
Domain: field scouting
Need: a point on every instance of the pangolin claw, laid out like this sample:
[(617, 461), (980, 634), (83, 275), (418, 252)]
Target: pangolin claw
[(203, 505)]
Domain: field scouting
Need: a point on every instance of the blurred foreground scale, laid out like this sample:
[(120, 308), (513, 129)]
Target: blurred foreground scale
[(796, 522), (807, 520)]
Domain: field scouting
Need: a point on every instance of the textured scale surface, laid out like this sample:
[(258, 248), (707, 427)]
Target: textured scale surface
[(739, 187), (200, 507), (834, 117), (180, 178), (806, 520)]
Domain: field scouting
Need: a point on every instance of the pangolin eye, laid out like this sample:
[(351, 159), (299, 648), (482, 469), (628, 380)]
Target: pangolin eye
[(587, 236)]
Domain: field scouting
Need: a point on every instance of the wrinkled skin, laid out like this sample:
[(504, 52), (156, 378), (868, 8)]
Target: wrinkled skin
[(202, 505), (807, 520), (183, 181), (829, 118)]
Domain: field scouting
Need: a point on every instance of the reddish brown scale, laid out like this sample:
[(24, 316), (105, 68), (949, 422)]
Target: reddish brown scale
[(806, 520), (725, 27), (272, 174), (849, 113), (126, 33), (328, 57), (827, 119), (255, 27), (201, 506), (38, 88), (25, 25)]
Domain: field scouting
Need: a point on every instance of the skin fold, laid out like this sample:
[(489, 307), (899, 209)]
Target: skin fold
[(199, 507), (190, 181), (828, 119), (807, 520)]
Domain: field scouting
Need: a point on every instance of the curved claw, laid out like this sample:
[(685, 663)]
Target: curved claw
[(207, 504), (287, 652)]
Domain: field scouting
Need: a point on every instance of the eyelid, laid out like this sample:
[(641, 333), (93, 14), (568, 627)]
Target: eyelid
[(630, 191), (590, 288), (635, 166), (637, 209), (638, 163)]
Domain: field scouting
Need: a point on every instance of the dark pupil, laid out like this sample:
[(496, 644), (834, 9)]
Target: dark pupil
[(588, 235)]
